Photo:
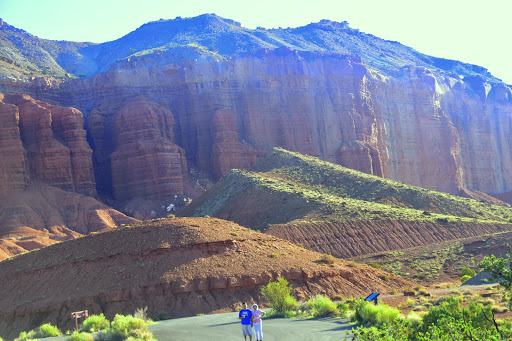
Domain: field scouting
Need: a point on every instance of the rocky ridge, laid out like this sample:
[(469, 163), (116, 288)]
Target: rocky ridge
[(347, 213)]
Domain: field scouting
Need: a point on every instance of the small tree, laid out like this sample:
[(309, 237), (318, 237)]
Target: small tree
[(278, 295), (499, 268)]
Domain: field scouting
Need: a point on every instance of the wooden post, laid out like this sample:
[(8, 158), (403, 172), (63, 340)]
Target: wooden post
[(78, 314)]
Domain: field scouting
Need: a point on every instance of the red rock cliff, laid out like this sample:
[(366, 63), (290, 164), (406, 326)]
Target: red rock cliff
[(434, 130), (135, 142)]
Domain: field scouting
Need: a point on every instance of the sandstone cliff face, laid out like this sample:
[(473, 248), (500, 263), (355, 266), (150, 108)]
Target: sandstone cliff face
[(55, 144), (42, 147), (14, 175), (136, 144), (434, 130)]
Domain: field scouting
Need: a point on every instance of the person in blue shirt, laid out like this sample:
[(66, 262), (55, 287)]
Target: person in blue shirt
[(246, 316)]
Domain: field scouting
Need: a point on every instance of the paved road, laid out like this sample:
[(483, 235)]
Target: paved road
[(227, 327)]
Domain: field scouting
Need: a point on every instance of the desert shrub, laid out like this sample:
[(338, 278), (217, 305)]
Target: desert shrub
[(467, 272), (449, 321), (384, 277), (327, 259), (375, 265), (278, 295), (82, 336), (369, 314), (274, 255), (321, 306), (171, 216), (398, 330), (499, 309), (337, 298), (161, 316), (45, 330), (342, 309), (26, 336), (465, 278), (409, 302), (141, 313), (127, 328), (48, 330), (95, 323)]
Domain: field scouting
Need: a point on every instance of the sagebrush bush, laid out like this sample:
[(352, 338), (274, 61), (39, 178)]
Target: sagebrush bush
[(82, 336), (48, 330), (278, 295), (368, 313), (141, 313), (327, 259), (321, 306), (342, 309), (467, 272), (45, 330), (95, 323), (25, 336), (465, 278), (127, 328)]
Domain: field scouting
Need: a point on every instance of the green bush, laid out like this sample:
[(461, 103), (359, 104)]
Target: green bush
[(465, 278), (26, 336), (467, 272), (127, 328), (369, 314), (278, 295), (342, 309), (321, 306), (95, 323), (47, 330), (83, 336)]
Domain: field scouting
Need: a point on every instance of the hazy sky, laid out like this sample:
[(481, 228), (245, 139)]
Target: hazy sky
[(472, 31)]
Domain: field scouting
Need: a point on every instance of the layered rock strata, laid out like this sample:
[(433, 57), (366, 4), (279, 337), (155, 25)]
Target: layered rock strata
[(135, 150), (46, 177), (440, 131), (55, 143)]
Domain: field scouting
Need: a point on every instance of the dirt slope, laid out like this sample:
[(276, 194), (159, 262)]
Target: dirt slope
[(42, 215), (443, 261), (183, 266)]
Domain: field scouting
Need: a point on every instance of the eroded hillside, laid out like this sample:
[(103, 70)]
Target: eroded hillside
[(336, 210), (183, 266)]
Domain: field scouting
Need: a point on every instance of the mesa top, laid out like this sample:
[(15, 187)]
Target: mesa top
[(245, 314)]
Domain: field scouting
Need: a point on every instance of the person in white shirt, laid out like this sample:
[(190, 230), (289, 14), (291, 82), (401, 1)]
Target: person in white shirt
[(256, 319)]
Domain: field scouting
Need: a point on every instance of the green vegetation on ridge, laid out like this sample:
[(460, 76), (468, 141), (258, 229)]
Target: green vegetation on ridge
[(287, 187)]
